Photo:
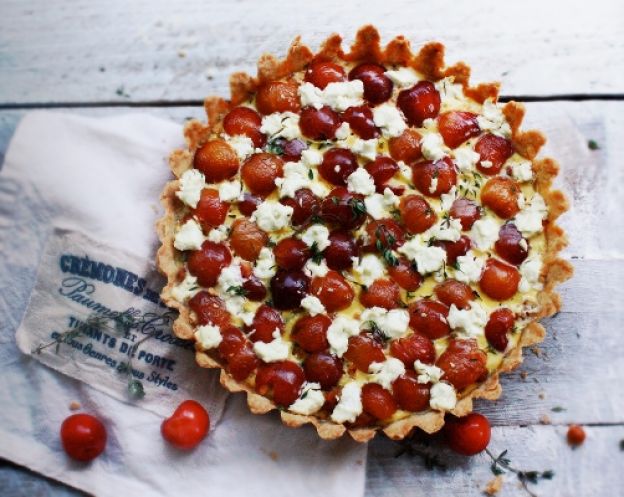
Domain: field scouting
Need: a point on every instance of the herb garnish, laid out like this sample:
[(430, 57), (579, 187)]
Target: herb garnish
[(386, 248), (413, 447), (358, 207), (317, 255), (593, 145), (501, 464), (237, 290), (275, 146)]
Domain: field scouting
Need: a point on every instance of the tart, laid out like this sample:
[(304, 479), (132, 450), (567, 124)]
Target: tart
[(361, 239)]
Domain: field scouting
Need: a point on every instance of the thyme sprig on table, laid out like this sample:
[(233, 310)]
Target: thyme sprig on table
[(413, 447), (501, 464), (120, 324)]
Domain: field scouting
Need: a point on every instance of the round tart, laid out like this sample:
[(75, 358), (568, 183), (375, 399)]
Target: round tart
[(361, 239)]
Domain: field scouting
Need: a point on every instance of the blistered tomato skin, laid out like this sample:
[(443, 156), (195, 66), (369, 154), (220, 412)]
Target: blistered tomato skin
[(453, 292), (310, 332), (406, 146), (217, 160), (83, 437), (456, 127), (246, 122), (405, 275), (334, 292), (291, 253), (323, 368), (265, 322), (305, 205), (409, 394), (499, 281), (382, 169), (463, 363), (468, 435), (288, 289), (361, 122), (210, 210), (467, 211), (283, 379), (248, 205), (364, 350), (321, 73), (277, 96), (377, 401), (260, 171), (495, 150), (499, 325), (337, 165), (377, 86), (415, 347), (343, 208), (254, 289), (238, 353), (429, 318), (210, 309), (454, 249), (187, 426), (416, 214), (501, 195), (342, 247), (319, 124), (420, 102), (433, 178), (509, 245), (385, 234), (247, 239), (382, 293), (207, 262)]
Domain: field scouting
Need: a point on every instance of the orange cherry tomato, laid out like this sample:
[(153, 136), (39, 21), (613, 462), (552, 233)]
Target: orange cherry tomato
[(217, 160), (501, 195), (576, 435), (83, 437), (468, 435), (277, 96), (499, 280), (382, 293), (463, 363), (406, 146), (454, 292), (187, 426), (246, 239), (416, 214)]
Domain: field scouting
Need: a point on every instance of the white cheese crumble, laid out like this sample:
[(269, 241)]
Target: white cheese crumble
[(349, 405), (484, 233), (186, 289), (471, 321), (343, 131), (314, 269), (272, 216), (465, 158), (295, 177), (218, 235), (403, 77), (389, 119), (276, 350), (235, 305), (386, 372), (281, 124), (208, 336), (529, 220), (449, 90), (313, 305), (265, 264), (338, 96), (428, 259), (432, 146), (447, 199), (192, 182), (316, 234), (359, 181), (310, 400), (189, 236), (522, 170), (368, 269), (229, 190), (230, 277), (443, 397), (446, 230), (393, 323), (364, 148), (493, 120), (434, 185), (311, 157), (380, 206), (469, 267), (427, 373), (242, 145), (339, 332), (406, 172), (530, 271)]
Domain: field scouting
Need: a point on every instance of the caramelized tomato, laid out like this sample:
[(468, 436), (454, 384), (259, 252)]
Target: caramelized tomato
[(409, 394), (323, 368), (342, 248), (454, 249), (499, 281), (260, 171), (334, 292), (493, 151), (405, 275), (456, 127), (343, 208), (207, 262), (209, 309), (265, 322), (466, 211), (337, 165), (217, 160), (384, 234), (319, 124), (463, 363), (453, 292), (247, 122), (305, 205), (361, 121), (277, 96), (377, 401), (501, 323), (415, 347), (420, 102), (377, 86), (382, 169), (310, 333), (501, 195), (291, 253), (246, 239), (416, 213), (364, 350), (429, 318), (406, 146), (433, 178), (510, 245), (382, 293), (321, 73), (283, 379), (210, 210)]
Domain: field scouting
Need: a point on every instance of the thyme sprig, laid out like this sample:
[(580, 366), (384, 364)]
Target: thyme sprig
[(412, 447), (385, 249), (502, 464)]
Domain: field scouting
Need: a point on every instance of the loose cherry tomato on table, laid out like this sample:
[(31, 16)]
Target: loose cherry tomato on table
[(83, 437), (468, 435), (576, 435), (187, 426)]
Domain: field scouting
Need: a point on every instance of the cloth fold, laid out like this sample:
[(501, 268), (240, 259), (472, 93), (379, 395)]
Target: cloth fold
[(102, 178)]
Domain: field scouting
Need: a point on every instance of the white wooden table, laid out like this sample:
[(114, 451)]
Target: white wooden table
[(564, 58)]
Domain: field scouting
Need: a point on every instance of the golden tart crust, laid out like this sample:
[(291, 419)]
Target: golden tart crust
[(429, 61)]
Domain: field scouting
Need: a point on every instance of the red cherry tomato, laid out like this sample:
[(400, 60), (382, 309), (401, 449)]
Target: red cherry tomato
[(468, 435), (83, 437), (187, 426)]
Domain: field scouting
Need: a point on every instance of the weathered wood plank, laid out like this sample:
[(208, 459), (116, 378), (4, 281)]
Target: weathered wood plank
[(87, 51)]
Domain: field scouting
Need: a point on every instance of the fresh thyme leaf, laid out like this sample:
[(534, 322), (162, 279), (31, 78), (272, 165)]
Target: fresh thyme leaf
[(335, 200), (275, 146), (558, 409), (317, 255), (237, 290), (593, 145), (310, 174), (305, 394), (358, 207)]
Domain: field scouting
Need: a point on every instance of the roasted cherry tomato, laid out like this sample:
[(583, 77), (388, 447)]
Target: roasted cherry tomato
[(277, 96), (406, 147), (463, 363), (456, 127), (322, 72), (187, 426), (377, 401), (429, 317), (83, 437), (217, 160), (420, 102), (468, 435)]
